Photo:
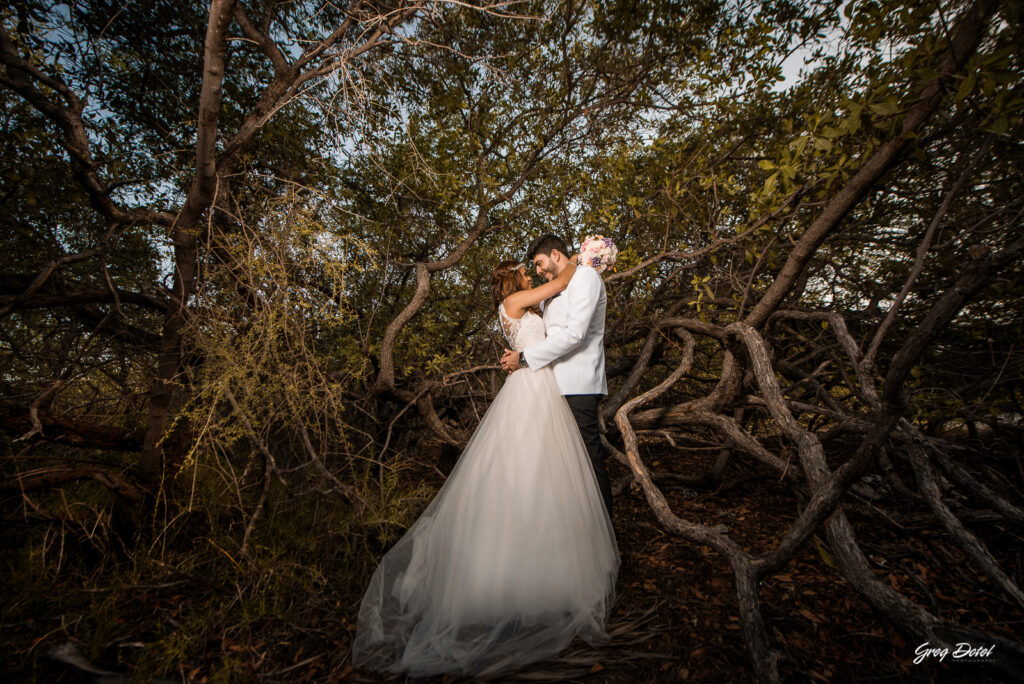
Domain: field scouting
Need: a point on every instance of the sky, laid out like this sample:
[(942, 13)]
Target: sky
[(793, 65)]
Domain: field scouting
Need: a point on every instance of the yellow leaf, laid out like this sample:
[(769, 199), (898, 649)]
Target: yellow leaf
[(829, 559)]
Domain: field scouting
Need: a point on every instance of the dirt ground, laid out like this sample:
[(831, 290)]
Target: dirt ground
[(675, 616)]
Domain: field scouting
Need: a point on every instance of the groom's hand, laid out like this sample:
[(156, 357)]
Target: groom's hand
[(510, 360)]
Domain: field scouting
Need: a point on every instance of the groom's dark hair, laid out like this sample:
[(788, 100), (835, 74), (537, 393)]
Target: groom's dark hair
[(546, 244)]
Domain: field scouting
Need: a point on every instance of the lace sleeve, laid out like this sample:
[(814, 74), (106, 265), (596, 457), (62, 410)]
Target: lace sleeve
[(509, 326)]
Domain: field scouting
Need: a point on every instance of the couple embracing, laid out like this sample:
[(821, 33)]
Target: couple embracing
[(516, 554)]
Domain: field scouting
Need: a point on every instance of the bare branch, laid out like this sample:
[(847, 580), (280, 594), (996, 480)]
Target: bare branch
[(968, 541), (268, 46), (752, 624), (21, 77), (869, 357)]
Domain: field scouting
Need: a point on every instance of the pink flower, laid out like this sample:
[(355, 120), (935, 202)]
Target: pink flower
[(598, 252)]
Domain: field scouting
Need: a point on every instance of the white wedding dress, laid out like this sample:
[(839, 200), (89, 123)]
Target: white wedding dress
[(514, 556)]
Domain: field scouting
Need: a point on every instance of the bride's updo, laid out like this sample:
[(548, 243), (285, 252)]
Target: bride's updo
[(504, 281)]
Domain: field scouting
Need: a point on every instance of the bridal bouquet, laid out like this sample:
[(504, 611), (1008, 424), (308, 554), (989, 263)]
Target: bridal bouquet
[(598, 252)]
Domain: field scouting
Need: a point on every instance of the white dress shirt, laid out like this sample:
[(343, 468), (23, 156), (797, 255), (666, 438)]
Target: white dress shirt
[(574, 346)]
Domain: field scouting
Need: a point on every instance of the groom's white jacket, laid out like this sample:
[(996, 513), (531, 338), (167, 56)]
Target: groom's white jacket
[(574, 346)]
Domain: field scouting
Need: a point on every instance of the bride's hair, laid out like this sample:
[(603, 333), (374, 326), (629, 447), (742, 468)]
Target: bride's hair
[(505, 281)]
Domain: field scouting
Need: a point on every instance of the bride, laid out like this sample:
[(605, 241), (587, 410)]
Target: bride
[(516, 554)]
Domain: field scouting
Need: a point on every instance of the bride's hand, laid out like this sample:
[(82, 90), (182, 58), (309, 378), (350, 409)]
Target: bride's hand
[(510, 361), (575, 258)]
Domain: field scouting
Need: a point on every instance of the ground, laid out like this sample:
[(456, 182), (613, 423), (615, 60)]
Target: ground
[(675, 616)]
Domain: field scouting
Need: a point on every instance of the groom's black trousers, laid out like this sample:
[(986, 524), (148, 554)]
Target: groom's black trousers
[(584, 410)]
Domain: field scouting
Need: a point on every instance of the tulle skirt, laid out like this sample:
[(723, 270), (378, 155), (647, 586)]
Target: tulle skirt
[(513, 558)]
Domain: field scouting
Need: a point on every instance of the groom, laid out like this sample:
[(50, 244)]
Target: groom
[(574, 346)]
